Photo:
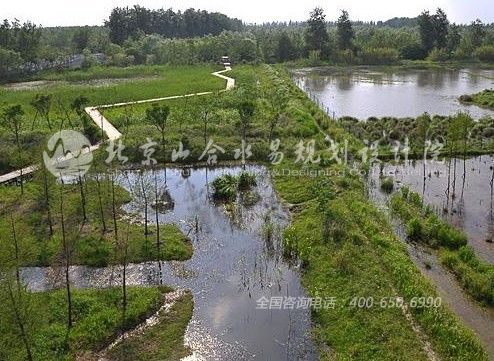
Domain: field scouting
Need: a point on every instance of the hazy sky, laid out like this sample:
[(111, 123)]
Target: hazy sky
[(94, 12)]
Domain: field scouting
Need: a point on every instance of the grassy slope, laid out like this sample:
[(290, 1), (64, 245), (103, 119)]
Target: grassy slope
[(97, 321), (162, 342)]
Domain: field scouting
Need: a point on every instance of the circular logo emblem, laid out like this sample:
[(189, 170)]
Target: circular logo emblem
[(68, 155)]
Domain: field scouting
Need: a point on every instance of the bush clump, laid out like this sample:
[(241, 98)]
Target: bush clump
[(246, 180), (387, 184), (485, 53), (226, 187), (379, 56)]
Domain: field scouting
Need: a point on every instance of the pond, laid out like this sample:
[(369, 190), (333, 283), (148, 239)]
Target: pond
[(379, 92), (233, 266)]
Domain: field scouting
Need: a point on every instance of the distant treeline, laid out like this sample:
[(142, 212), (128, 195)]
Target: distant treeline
[(136, 35), (129, 22)]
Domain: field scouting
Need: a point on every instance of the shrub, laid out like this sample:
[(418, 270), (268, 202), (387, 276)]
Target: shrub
[(345, 57), (387, 184), (413, 52), (438, 55), (246, 180), (485, 53), (379, 56), (488, 132), (451, 237), (225, 188), (415, 229)]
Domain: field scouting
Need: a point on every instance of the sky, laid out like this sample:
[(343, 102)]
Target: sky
[(94, 12)]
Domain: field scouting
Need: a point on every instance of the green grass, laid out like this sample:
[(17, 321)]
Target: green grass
[(140, 83), (162, 342), (484, 98), (91, 246), (97, 321)]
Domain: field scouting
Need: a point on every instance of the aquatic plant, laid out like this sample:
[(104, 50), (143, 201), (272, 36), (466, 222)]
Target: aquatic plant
[(225, 188), (246, 180), (387, 184)]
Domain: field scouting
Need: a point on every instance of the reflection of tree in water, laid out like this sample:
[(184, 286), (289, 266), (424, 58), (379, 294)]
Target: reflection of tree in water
[(490, 217), (164, 201), (266, 271), (345, 82)]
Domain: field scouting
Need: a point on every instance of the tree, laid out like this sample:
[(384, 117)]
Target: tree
[(42, 104), (80, 39), (433, 29), (66, 251), (78, 106), (441, 24), (28, 40), (12, 119), (278, 96), (285, 49), (422, 132), (477, 33), (100, 204), (158, 115), (316, 34), (426, 29), (345, 32), (246, 111), (206, 107), (454, 37), (18, 298), (9, 61)]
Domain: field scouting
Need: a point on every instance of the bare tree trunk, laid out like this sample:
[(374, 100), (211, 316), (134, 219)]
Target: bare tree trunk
[(16, 255), (83, 200), (144, 195), (47, 201), (156, 200), (100, 202), (20, 322), (66, 260), (114, 209), (123, 247), (454, 178)]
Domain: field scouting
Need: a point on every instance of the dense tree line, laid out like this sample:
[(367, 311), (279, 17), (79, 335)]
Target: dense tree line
[(18, 43), (141, 36), (129, 22)]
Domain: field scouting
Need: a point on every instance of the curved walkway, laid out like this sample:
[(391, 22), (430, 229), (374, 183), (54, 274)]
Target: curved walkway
[(111, 132)]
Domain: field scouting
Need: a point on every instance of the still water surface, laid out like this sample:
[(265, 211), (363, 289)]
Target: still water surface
[(366, 92)]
